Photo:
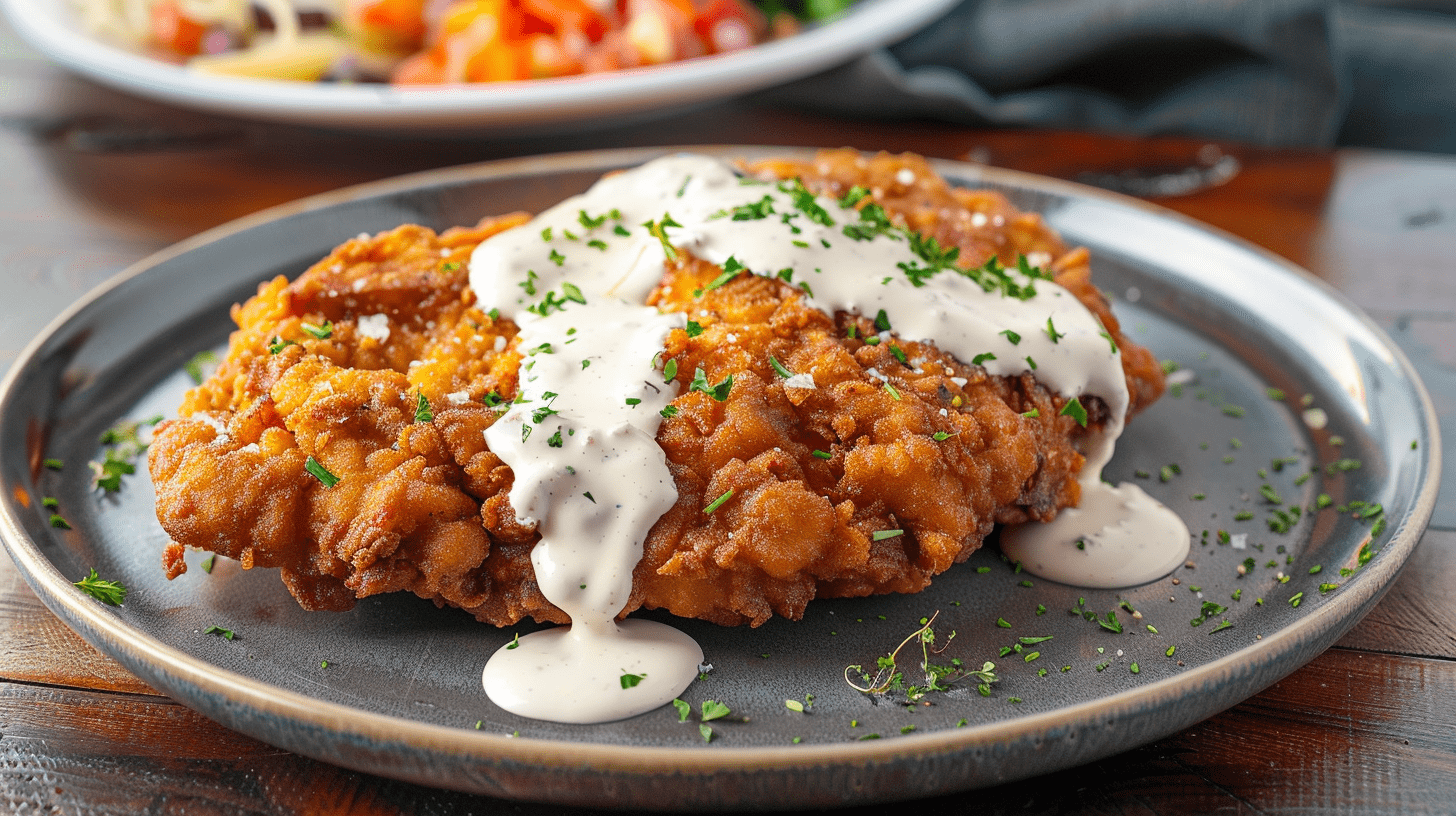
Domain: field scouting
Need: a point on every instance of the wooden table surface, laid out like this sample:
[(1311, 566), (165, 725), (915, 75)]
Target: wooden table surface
[(93, 180)]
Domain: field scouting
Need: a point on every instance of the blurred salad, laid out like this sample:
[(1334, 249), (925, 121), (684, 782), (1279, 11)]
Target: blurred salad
[(436, 42)]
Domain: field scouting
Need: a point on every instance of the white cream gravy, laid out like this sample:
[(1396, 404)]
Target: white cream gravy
[(574, 280)]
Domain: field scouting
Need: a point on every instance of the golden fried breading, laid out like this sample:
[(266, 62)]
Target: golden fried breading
[(393, 398)]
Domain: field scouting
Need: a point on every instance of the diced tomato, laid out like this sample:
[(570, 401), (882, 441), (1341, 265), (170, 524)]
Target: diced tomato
[(501, 61), (662, 30), (424, 68), (550, 58), (174, 31), (558, 16), (395, 25), (463, 14), (728, 25)]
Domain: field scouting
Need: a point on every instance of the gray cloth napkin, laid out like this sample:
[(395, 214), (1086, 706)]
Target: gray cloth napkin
[(1313, 73)]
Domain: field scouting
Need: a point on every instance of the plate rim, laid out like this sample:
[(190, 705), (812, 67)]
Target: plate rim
[(43, 24), (110, 633)]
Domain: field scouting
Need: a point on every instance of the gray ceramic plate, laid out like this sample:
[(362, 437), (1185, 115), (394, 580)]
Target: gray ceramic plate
[(401, 696)]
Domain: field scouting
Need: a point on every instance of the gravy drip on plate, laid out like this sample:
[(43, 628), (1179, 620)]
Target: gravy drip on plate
[(586, 463)]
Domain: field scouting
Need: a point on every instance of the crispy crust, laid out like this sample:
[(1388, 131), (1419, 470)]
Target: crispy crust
[(421, 505)]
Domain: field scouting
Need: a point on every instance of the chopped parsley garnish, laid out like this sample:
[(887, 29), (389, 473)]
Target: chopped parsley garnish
[(881, 535), (422, 408), (873, 222), (278, 344), (322, 332), (693, 328), (1073, 408), (1051, 332), (194, 366), (320, 472), (208, 562), (668, 411), (982, 357), (731, 268), (669, 371), (631, 680), (220, 632), (124, 446), (806, 203), (753, 211), (658, 230), (889, 678), (779, 368), (855, 195), (1011, 336), (718, 392), (52, 464), (819, 454), (718, 502)]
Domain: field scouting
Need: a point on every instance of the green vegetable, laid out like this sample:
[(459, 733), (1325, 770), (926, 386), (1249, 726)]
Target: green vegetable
[(108, 592)]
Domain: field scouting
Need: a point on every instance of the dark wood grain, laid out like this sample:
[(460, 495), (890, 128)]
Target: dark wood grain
[(1415, 617), (1366, 730)]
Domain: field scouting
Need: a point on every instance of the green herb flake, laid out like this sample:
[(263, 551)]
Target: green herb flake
[(631, 680), (684, 711), (718, 392), (713, 710), (422, 408), (219, 631), (320, 472), (208, 562), (322, 331), (718, 502), (194, 366), (731, 270), (1073, 408), (52, 464), (881, 535)]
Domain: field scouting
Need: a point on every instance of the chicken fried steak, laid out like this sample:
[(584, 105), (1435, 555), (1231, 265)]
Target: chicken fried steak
[(375, 372)]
